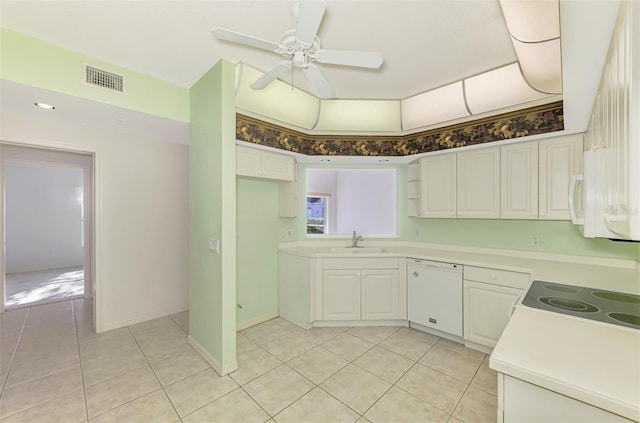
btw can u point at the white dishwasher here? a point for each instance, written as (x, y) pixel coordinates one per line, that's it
(435, 295)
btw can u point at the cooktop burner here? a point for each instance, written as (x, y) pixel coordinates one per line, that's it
(617, 308)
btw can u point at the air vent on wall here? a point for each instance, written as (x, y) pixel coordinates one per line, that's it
(102, 78)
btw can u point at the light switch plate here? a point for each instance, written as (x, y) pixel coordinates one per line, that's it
(214, 245)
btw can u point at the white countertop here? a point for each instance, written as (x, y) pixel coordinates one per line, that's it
(589, 271)
(594, 362)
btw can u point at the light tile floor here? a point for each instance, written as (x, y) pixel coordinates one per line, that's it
(53, 367)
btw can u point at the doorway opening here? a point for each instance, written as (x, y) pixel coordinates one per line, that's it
(47, 226)
(44, 258)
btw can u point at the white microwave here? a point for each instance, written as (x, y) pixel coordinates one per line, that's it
(591, 215)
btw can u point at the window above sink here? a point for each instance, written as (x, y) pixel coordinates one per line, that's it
(342, 200)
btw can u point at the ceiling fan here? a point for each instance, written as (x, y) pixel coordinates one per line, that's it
(301, 48)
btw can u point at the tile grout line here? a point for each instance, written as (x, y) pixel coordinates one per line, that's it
(58, 371)
(317, 385)
(15, 351)
(84, 389)
(393, 384)
(154, 372)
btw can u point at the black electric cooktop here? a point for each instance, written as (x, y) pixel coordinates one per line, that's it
(617, 308)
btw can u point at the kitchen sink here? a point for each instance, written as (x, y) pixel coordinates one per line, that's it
(358, 250)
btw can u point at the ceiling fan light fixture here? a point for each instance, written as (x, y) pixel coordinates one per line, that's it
(301, 48)
(300, 59)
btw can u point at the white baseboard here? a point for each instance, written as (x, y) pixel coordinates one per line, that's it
(139, 319)
(256, 321)
(354, 323)
(211, 359)
(478, 347)
(436, 332)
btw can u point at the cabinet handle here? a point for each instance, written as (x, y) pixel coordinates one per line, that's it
(493, 277)
(453, 213)
(459, 213)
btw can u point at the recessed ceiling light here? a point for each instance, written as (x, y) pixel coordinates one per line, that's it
(45, 106)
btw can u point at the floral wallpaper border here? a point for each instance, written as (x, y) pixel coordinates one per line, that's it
(531, 121)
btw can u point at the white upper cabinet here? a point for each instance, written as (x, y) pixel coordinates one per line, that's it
(478, 183)
(526, 180)
(615, 125)
(264, 164)
(248, 162)
(560, 158)
(438, 186)
(519, 181)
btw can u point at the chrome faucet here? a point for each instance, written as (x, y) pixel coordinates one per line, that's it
(354, 240)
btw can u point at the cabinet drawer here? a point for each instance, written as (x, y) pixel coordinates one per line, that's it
(497, 277)
(361, 263)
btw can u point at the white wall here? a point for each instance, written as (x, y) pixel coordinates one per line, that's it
(324, 181)
(42, 217)
(142, 214)
(363, 201)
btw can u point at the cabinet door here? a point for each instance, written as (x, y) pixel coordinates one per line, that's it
(341, 295)
(248, 161)
(278, 166)
(478, 183)
(560, 158)
(519, 181)
(438, 186)
(486, 311)
(380, 294)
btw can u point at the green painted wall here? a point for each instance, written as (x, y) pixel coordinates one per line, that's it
(556, 236)
(23, 59)
(212, 213)
(257, 249)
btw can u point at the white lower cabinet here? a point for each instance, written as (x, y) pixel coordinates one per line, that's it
(525, 402)
(341, 295)
(367, 294)
(489, 296)
(380, 294)
(362, 289)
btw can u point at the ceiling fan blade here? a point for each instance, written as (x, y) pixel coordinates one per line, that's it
(319, 82)
(309, 15)
(271, 76)
(247, 40)
(362, 59)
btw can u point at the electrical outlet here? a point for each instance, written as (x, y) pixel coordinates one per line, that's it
(535, 240)
(289, 233)
(283, 232)
(415, 233)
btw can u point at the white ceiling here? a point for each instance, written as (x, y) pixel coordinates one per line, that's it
(425, 44)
